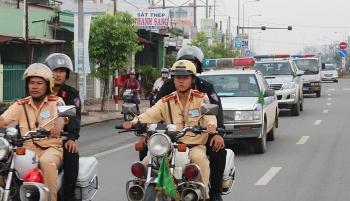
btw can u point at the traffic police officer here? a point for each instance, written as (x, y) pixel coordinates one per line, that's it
(33, 112)
(217, 154)
(184, 110)
(61, 66)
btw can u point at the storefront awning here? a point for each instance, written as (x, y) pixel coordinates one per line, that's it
(144, 41)
(19, 39)
(68, 28)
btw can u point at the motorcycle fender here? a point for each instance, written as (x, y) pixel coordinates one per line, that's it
(23, 163)
(182, 158)
(32, 186)
(228, 178)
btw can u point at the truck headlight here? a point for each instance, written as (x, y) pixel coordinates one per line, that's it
(290, 85)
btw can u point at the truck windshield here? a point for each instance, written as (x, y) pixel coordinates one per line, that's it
(309, 66)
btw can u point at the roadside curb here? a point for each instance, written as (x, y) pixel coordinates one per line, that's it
(103, 121)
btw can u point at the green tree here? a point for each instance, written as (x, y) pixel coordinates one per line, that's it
(169, 60)
(215, 51)
(112, 40)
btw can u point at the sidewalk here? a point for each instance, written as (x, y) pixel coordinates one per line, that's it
(93, 106)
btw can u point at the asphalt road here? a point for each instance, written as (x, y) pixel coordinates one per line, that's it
(307, 161)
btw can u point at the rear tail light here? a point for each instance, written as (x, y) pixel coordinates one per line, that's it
(192, 171)
(34, 175)
(138, 169)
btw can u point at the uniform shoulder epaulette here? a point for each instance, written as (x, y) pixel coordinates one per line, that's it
(52, 98)
(168, 97)
(23, 101)
(197, 93)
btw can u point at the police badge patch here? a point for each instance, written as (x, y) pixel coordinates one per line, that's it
(59, 103)
(206, 101)
(214, 96)
(77, 102)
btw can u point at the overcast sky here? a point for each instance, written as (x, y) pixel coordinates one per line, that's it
(314, 22)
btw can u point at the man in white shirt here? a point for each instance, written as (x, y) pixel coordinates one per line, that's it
(158, 84)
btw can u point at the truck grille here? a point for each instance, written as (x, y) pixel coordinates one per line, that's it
(328, 75)
(276, 86)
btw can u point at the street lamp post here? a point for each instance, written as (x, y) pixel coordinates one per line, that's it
(330, 46)
(249, 30)
(243, 12)
(343, 35)
(239, 6)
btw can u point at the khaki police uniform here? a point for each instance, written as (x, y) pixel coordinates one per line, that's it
(51, 157)
(182, 117)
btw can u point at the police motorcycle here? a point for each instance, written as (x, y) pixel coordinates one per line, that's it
(20, 176)
(164, 139)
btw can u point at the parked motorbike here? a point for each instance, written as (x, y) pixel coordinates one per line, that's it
(165, 139)
(20, 176)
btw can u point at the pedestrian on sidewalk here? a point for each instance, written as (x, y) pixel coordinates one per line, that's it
(61, 66)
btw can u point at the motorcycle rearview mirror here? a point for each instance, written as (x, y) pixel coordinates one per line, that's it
(67, 111)
(11, 133)
(129, 108)
(209, 109)
(63, 111)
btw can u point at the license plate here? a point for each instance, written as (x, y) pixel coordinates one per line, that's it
(305, 88)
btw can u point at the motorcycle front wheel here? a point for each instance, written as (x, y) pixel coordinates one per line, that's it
(152, 194)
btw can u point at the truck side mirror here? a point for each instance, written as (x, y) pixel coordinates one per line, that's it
(323, 66)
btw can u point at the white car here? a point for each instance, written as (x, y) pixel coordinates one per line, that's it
(250, 113)
(284, 77)
(329, 73)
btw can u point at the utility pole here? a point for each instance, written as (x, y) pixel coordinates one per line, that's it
(214, 11)
(238, 18)
(114, 6)
(26, 30)
(206, 9)
(163, 4)
(80, 78)
(195, 13)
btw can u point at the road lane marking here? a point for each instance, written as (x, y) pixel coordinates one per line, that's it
(329, 94)
(346, 89)
(303, 140)
(325, 111)
(317, 122)
(113, 150)
(268, 176)
(329, 103)
(329, 98)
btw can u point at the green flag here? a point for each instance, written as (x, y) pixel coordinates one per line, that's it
(261, 99)
(165, 182)
(294, 75)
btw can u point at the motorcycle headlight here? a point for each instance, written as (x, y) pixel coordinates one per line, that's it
(159, 144)
(290, 85)
(4, 147)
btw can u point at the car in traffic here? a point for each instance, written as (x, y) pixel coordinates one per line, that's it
(283, 76)
(311, 64)
(250, 107)
(329, 73)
